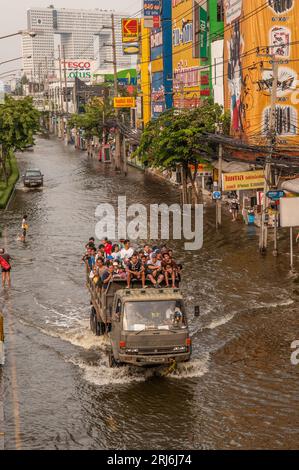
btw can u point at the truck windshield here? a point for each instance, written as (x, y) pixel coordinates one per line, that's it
(32, 173)
(161, 315)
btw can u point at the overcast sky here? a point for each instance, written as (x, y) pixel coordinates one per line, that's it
(13, 18)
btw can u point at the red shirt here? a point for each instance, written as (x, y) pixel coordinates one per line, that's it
(108, 249)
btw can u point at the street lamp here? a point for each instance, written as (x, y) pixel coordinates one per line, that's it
(32, 34)
(17, 58)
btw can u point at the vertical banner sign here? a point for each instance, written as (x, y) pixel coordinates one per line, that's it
(130, 29)
(151, 8)
(255, 33)
(203, 21)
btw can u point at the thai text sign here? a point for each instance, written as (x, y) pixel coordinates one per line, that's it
(130, 29)
(243, 181)
(124, 102)
(151, 8)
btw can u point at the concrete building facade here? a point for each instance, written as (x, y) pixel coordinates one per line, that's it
(83, 33)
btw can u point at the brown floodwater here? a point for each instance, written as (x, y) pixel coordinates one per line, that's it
(240, 390)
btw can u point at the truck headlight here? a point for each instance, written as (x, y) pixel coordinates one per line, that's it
(179, 348)
(132, 351)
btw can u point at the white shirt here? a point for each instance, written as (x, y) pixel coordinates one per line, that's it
(126, 254)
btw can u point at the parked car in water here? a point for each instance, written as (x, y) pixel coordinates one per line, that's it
(33, 178)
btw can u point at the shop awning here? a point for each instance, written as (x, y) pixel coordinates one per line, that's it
(292, 186)
(234, 167)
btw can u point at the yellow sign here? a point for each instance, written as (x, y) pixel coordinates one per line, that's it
(186, 67)
(124, 102)
(130, 29)
(243, 181)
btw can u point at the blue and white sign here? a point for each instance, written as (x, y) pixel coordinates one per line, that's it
(216, 195)
(275, 195)
(151, 8)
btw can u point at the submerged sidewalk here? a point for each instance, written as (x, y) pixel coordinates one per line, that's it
(1, 411)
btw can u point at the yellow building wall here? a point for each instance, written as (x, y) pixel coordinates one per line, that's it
(145, 75)
(251, 28)
(186, 84)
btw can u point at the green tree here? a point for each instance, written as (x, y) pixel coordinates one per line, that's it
(178, 138)
(92, 121)
(19, 122)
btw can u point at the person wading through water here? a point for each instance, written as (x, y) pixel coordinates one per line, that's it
(6, 268)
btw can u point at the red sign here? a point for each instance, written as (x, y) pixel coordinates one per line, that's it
(130, 29)
(156, 22)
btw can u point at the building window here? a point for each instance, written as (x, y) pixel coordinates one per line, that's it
(220, 10)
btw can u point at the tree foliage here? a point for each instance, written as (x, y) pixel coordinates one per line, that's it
(92, 121)
(177, 137)
(19, 122)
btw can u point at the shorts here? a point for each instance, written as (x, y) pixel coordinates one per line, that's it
(6, 270)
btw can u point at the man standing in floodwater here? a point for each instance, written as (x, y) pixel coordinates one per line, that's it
(25, 227)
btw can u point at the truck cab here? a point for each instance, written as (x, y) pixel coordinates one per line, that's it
(145, 327)
(149, 327)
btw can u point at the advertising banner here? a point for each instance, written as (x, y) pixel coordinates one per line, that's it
(256, 35)
(151, 8)
(203, 18)
(243, 181)
(186, 67)
(124, 102)
(130, 29)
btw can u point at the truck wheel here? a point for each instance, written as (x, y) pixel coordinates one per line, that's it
(100, 328)
(112, 361)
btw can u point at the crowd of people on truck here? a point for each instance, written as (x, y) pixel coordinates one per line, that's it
(150, 265)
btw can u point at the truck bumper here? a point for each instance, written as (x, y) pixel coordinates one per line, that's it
(144, 361)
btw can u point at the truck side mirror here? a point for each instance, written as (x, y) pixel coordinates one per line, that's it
(197, 311)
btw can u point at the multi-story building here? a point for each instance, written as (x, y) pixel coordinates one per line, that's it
(83, 34)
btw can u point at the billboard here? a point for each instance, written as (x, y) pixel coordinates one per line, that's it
(151, 8)
(289, 212)
(245, 180)
(186, 68)
(130, 29)
(158, 94)
(255, 35)
(124, 102)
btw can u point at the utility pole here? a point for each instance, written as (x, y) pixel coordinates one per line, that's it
(60, 92)
(65, 81)
(263, 242)
(219, 201)
(117, 155)
(66, 95)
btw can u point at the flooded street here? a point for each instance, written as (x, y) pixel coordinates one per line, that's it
(239, 390)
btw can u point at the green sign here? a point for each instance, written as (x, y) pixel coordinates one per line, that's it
(203, 22)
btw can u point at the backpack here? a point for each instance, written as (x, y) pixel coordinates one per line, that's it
(4, 264)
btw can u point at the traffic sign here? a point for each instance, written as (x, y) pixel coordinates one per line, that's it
(130, 29)
(275, 195)
(217, 195)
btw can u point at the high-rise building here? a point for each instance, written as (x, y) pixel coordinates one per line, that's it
(83, 33)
